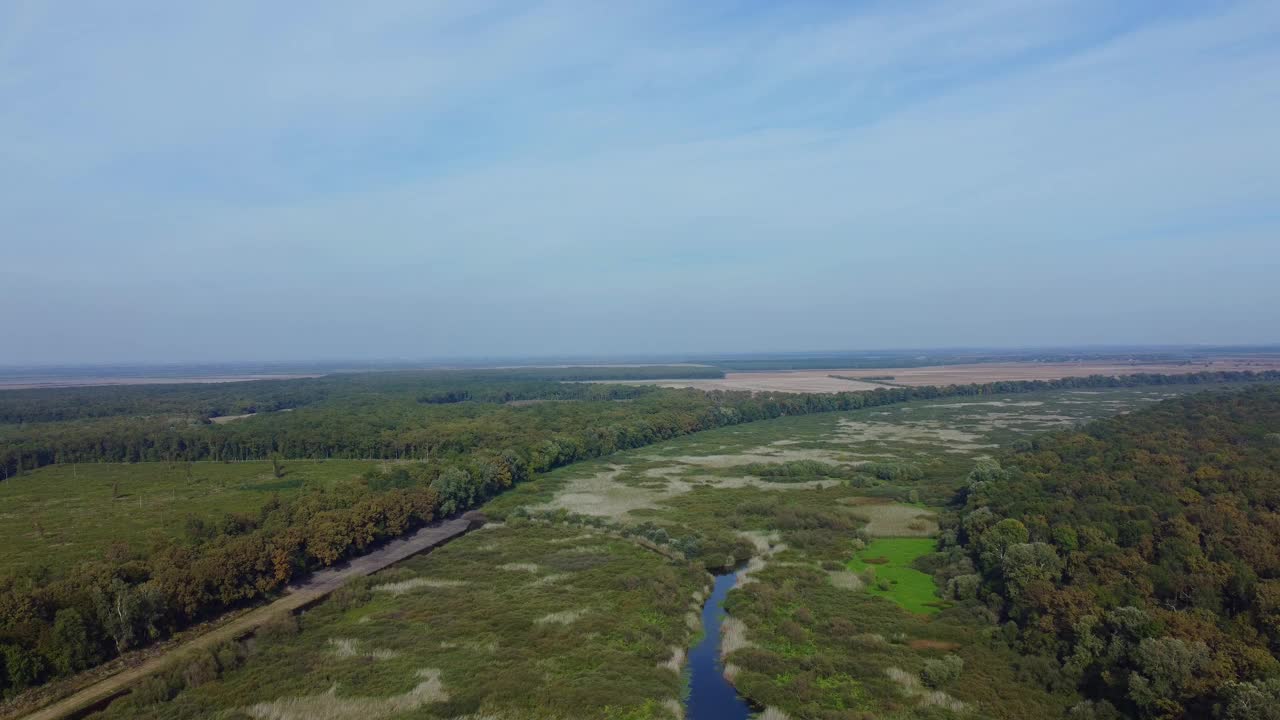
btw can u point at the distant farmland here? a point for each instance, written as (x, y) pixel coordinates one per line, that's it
(852, 379)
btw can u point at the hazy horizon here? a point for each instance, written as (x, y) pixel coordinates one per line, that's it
(945, 355)
(185, 184)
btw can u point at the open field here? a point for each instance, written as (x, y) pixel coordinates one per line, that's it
(56, 516)
(891, 575)
(845, 380)
(797, 381)
(935, 438)
(993, 372)
(517, 622)
(585, 588)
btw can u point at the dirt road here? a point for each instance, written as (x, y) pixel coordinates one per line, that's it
(315, 587)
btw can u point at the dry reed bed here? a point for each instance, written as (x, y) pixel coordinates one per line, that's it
(328, 706)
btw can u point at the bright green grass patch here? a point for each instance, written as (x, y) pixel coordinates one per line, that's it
(892, 558)
(60, 515)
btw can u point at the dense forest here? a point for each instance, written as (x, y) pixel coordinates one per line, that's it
(462, 440)
(1138, 558)
(422, 416)
(238, 398)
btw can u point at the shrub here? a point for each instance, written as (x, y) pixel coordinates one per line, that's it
(279, 626)
(230, 655)
(156, 689)
(964, 587)
(200, 670)
(352, 595)
(940, 672)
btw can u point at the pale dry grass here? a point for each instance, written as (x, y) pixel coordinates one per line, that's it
(764, 454)
(602, 495)
(845, 580)
(575, 538)
(519, 567)
(478, 646)
(328, 706)
(676, 661)
(754, 565)
(926, 432)
(760, 539)
(673, 706)
(794, 381)
(903, 678)
(403, 586)
(937, 698)
(733, 636)
(766, 545)
(871, 640)
(772, 713)
(550, 579)
(991, 403)
(564, 617)
(889, 519)
(351, 648)
(911, 687)
(993, 372)
(731, 672)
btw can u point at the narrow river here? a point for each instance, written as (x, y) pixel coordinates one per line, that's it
(711, 697)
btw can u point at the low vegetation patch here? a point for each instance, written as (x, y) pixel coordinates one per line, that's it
(886, 568)
(504, 646)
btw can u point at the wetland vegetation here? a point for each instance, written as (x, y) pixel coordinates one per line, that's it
(857, 594)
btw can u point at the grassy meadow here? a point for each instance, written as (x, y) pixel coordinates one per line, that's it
(580, 603)
(59, 515)
(525, 621)
(887, 567)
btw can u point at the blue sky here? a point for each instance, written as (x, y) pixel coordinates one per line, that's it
(246, 180)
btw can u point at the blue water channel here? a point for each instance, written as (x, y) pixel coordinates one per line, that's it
(711, 697)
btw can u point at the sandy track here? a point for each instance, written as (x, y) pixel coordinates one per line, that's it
(316, 586)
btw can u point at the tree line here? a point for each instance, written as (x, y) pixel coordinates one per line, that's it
(380, 419)
(1137, 559)
(239, 398)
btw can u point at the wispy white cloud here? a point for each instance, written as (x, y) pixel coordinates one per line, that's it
(453, 178)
